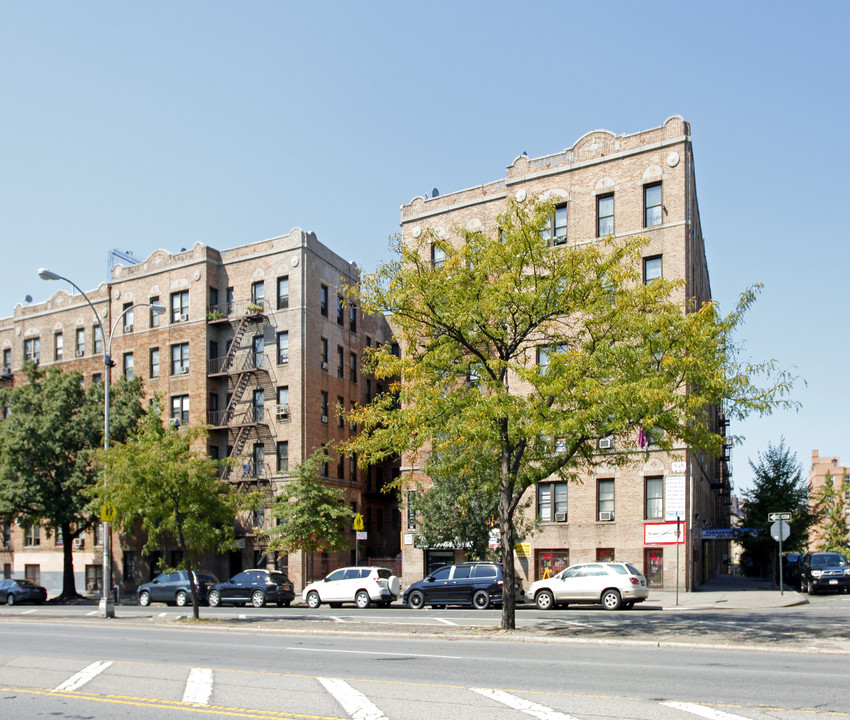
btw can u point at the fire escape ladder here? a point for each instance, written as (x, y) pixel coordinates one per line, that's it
(234, 344)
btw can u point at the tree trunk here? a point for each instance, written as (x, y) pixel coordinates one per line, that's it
(190, 568)
(506, 525)
(69, 584)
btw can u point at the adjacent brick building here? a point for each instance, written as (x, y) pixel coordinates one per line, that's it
(621, 185)
(821, 467)
(256, 342)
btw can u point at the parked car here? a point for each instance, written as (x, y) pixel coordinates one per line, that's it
(478, 584)
(257, 587)
(791, 568)
(824, 571)
(174, 588)
(14, 591)
(613, 585)
(359, 585)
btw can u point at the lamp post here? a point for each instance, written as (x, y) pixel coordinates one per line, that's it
(106, 607)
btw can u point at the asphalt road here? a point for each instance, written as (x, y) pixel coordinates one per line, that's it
(103, 670)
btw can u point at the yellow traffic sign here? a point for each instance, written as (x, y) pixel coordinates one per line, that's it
(107, 512)
(358, 522)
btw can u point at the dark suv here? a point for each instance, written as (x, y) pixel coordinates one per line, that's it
(824, 571)
(174, 588)
(254, 586)
(473, 583)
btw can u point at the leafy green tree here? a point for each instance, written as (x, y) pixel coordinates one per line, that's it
(778, 486)
(313, 515)
(47, 447)
(162, 480)
(533, 353)
(831, 513)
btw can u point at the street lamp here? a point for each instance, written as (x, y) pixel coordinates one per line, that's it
(106, 608)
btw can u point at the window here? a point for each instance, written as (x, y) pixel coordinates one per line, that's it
(228, 293)
(32, 536)
(33, 573)
(259, 456)
(154, 362)
(283, 347)
(154, 315)
(340, 366)
(58, 346)
(180, 409)
(7, 360)
(340, 310)
(653, 567)
(325, 463)
(129, 313)
(324, 353)
(353, 359)
(97, 534)
(340, 409)
(438, 257)
(545, 351)
(654, 497)
(80, 342)
(352, 317)
(127, 365)
(129, 564)
(96, 378)
(258, 345)
(324, 300)
(324, 406)
(340, 466)
(32, 349)
(283, 292)
(652, 205)
(605, 499)
(551, 562)
(259, 405)
(283, 457)
(283, 403)
(651, 269)
(353, 476)
(94, 578)
(604, 554)
(180, 306)
(180, 359)
(552, 502)
(605, 215)
(555, 231)
(258, 293)
(97, 339)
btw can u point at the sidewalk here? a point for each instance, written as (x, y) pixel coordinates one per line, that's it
(729, 592)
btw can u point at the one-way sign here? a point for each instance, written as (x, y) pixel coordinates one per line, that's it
(773, 517)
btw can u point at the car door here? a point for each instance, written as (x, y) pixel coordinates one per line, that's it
(435, 586)
(333, 587)
(568, 585)
(159, 588)
(459, 589)
(596, 579)
(233, 590)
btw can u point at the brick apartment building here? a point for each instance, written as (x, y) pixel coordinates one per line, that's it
(256, 342)
(821, 467)
(621, 185)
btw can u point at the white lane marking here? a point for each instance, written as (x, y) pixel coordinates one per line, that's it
(336, 618)
(369, 652)
(27, 612)
(357, 705)
(162, 614)
(75, 682)
(526, 706)
(92, 613)
(199, 686)
(443, 620)
(243, 617)
(703, 711)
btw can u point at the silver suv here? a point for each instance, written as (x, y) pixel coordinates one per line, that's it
(359, 585)
(613, 585)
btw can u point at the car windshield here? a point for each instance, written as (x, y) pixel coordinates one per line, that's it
(26, 583)
(278, 578)
(829, 559)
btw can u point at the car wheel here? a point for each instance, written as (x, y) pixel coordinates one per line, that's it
(214, 598)
(181, 599)
(258, 598)
(416, 600)
(144, 598)
(362, 599)
(313, 600)
(545, 600)
(611, 600)
(10, 599)
(481, 600)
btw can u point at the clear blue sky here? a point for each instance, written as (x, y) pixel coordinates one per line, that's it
(140, 126)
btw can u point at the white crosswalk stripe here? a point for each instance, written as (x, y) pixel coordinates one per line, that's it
(357, 705)
(199, 686)
(75, 682)
(703, 711)
(526, 706)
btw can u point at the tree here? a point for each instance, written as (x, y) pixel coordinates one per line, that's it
(47, 446)
(831, 513)
(615, 356)
(313, 515)
(778, 486)
(160, 480)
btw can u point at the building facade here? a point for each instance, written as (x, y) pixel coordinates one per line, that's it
(621, 185)
(820, 468)
(259, 343)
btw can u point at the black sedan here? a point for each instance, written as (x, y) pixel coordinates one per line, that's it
(257, 587)
(14, 591)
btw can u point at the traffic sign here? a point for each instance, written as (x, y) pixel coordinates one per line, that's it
(773, 517)
(358, 522)
(362, 535)
(107, 512)
(780, 530)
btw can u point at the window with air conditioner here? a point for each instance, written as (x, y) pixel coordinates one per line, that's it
(606, 443)
(552, 502)
(79, 543)
(605, 499)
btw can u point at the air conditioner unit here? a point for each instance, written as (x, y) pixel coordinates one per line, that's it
(606, 443)
(79, 543)
(128, 328)
(7, 371)
(79, 353)
(324, 366)
(561, 517)
(184, 317)
(184, 369)
(175, 422)
(325, 419)
(283, 412)
(606, 516)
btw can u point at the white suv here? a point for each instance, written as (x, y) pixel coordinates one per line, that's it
(359, 585)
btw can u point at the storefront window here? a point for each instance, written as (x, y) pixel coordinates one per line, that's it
(551, 562)
(653, 567)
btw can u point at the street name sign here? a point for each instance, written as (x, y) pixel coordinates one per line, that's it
(773, 517)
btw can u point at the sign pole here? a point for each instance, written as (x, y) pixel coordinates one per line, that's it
(781, 584)
(678, 535)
